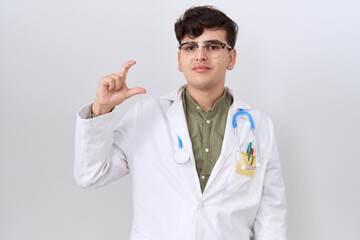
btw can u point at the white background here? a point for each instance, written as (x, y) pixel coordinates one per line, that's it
(298, 61)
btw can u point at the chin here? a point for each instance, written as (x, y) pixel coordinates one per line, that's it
(202, 85)
(204, 81)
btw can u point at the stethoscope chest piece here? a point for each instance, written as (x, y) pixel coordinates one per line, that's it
(181, 156)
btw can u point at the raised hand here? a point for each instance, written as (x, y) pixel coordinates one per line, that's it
(112, 90)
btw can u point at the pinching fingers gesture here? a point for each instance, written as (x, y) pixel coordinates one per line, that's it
(112, 90)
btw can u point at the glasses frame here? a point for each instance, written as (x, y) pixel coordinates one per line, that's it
(223, 45)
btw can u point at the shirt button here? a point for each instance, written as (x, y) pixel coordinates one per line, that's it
(202, 177)
(208, 121)
(206, 150)
(198, 107)
(200, 205)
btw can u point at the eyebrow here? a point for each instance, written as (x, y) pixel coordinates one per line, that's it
(207, 41)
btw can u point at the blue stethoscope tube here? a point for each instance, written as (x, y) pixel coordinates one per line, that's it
(241, 111)
(180, 143)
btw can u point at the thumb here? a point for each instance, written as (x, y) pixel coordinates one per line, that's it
(134, 91)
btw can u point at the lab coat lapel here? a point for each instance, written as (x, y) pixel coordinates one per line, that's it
(229, 141)
(227, 146)
(177, 121)
(229, 136)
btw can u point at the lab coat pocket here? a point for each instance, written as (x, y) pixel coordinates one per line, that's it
(242, 177)
(246, 165)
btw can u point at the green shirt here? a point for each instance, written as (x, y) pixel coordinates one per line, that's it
(206, 130)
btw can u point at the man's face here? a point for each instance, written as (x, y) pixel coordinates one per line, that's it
(205, 73)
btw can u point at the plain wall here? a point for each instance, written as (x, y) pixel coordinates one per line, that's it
(298, 61)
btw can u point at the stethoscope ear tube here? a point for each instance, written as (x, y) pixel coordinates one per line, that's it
(180, 145)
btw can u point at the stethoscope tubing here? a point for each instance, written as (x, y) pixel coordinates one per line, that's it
(241, 111)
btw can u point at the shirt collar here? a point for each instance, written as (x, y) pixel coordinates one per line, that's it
(238, 103)
(190, 105)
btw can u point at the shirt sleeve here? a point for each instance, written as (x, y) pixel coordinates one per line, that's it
(91, 115)
(101, 150)
(270, 221)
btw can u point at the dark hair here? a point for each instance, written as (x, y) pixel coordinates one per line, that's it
(196, 19)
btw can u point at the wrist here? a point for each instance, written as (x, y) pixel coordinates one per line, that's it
(99, 109)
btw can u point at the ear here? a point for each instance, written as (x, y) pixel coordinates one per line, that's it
(179, 62)
(232, 59)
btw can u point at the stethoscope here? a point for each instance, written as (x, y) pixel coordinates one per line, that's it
(181, 156)
(252, 141)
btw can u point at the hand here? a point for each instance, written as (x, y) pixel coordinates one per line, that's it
(112, 91)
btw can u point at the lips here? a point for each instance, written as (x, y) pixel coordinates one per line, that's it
(201, 68)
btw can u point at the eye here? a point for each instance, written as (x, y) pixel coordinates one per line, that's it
(213, 47)
(188, 48)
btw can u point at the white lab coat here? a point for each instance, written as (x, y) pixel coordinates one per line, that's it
(167, 199)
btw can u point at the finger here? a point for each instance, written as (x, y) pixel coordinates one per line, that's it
(118, 82)
(105, 81)
(125, 68)
(110, 82)
(134, 91)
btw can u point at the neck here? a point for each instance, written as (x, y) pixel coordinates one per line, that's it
(205, 98)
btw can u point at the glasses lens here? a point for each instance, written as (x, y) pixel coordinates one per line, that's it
(189, 50)
(213, 50)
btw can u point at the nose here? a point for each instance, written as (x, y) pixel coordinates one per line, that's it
(201, 54)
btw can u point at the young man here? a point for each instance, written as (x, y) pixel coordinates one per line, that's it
(203, 163)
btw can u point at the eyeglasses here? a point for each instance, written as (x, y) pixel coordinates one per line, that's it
(212, 49)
